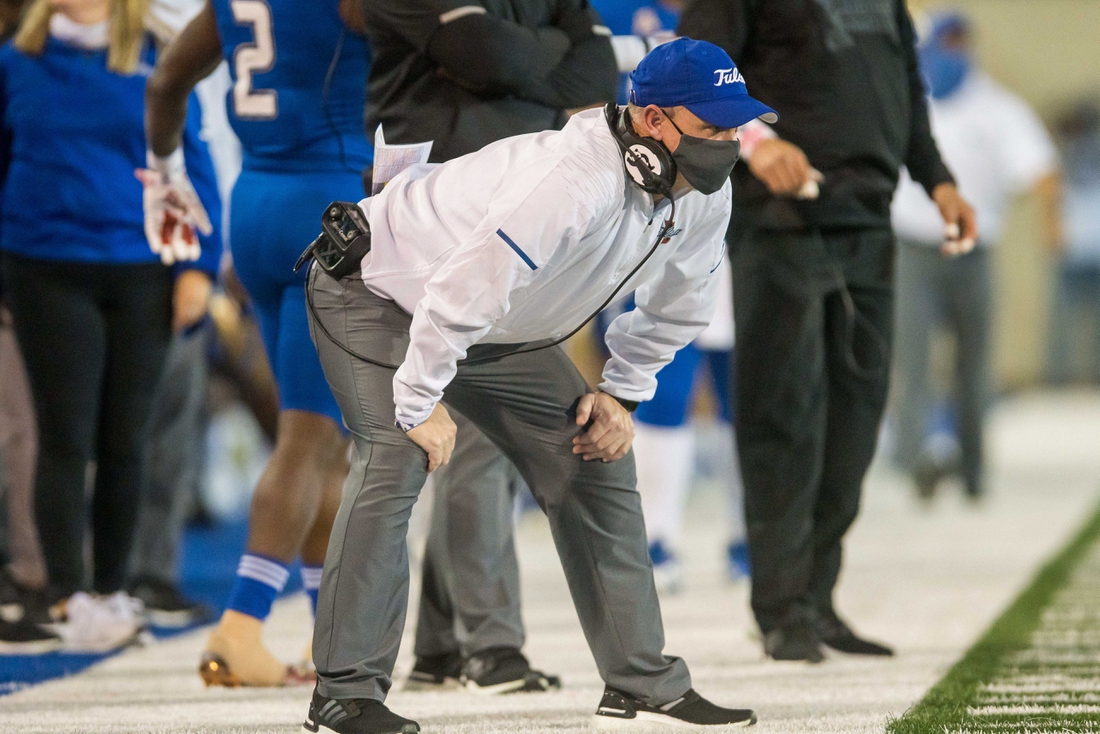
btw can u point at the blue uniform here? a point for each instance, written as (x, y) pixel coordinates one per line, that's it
(299, 81)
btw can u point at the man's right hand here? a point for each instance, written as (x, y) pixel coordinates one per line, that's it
(436, 436)
(783, 168)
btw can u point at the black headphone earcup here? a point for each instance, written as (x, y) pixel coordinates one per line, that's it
(647, 161)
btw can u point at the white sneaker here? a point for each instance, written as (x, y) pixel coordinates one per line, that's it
(100, 623)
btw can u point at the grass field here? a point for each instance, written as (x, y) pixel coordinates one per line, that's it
(1037, 669)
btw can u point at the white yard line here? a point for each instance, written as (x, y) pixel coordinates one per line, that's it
(926, 580)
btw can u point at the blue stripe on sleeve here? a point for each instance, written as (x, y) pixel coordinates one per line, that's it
(521, 253)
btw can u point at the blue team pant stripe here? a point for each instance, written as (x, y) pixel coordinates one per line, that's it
(521, 253)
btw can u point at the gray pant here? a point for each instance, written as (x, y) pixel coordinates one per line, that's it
(174, 457)
(936, 292)
(469, 599)
(525, 404)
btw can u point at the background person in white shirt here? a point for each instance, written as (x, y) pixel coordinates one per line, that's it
(997, 149)
(494, 254)
(1075, 318)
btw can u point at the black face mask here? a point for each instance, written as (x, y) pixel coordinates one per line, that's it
(706, 164)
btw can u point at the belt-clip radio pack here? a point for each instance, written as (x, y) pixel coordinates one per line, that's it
(343, 243)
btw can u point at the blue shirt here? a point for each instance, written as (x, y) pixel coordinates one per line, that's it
(299, 84)
(71, 135)
(635, 18)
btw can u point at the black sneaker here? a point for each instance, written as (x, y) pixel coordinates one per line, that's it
(436, 672)
(19, 602)
(796, 639)
(354, 716)
(691, 711)
(839, 636)
(166, 607)
(504, 670)
(26, 638)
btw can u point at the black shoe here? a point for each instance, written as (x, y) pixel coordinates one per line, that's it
(796, 639)
(354, 716)
(435, 672)
(165, 606)
(839, 636)
(504, 670)
(19, 602)
(26, 638)
(691, 711)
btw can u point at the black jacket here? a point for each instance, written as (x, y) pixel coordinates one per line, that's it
(843, 76)
(442, 70)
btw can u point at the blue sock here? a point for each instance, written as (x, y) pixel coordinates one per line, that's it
(311, 582)
(259, 580)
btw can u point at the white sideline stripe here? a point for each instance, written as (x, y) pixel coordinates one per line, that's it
(1018, 710)
(452, 15)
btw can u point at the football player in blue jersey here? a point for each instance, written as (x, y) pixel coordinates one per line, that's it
(299, 74)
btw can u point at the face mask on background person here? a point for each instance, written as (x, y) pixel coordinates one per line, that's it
(706, 164)
(944, 69)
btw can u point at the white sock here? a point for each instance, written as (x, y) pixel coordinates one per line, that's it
(665, 458)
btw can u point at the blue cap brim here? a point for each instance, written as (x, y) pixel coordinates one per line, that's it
(732, 111)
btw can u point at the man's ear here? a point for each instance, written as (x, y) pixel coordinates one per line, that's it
(650, 122)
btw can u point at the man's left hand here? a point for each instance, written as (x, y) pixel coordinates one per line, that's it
(959, 221)
(190, 298)
(611, 431)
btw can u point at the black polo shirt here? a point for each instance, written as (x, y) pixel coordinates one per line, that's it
(415, 96)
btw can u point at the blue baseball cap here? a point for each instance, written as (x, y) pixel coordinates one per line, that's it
(701, 77)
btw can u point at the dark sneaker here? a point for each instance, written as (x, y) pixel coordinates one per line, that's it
(166, 607)
(26, 638)
(354, 716)
(794, 640)
(504, 670)
(839, 636)
(691, 712)
(18, 602)
(436, 672)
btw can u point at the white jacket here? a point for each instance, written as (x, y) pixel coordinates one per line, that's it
(525, 239)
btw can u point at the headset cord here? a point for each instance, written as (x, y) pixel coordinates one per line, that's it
(352, 353)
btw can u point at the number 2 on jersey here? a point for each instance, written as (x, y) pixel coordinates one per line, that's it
(254, 58)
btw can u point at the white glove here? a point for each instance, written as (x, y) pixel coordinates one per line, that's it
(172, 209)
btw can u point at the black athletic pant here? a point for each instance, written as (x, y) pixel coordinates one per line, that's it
(94, 338)
(814, 322)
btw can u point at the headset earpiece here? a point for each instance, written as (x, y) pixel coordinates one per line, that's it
(647, 161)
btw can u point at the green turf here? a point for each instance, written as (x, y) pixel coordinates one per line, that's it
(1021, 649)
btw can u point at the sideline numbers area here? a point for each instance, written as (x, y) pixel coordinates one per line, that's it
(1037, 669)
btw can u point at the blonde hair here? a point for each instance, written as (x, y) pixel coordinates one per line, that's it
(126, 32)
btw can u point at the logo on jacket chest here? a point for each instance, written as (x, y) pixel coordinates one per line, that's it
(670, 230)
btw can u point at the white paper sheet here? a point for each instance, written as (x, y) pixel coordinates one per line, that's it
(390, 160)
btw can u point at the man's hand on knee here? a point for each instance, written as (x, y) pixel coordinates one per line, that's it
(610, 428)
(436, 436)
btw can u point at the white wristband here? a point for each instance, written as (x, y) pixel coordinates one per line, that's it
(166, 167)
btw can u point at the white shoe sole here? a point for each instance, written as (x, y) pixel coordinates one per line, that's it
(495, 690)
(321, 729)
(414, 685)
(647, 721)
